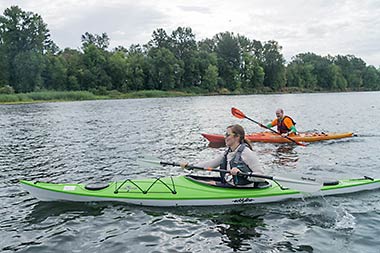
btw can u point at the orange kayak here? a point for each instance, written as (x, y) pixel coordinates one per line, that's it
(275, 138)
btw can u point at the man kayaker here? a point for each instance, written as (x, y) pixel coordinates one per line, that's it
(238, 158)
(285, 124)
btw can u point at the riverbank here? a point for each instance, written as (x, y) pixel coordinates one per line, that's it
(60, 96)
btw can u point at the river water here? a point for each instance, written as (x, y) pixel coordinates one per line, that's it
(90, 141)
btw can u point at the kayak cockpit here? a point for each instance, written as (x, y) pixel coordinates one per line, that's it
(216, 181)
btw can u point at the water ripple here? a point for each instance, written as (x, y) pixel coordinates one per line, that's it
(98, 141)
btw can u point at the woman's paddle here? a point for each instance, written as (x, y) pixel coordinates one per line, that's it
(302, 184)
(240, 115)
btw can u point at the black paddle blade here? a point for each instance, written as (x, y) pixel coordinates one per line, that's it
(237, 113)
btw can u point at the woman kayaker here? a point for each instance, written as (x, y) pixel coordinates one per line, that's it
(238, 157)
(285, 124)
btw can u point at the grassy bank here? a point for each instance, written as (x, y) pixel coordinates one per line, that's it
(56, 96)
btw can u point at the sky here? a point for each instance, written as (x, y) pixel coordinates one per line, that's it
(323, 27)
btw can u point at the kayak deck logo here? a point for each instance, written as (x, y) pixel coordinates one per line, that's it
(243, 200)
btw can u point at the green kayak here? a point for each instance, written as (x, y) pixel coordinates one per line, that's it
(185, 191)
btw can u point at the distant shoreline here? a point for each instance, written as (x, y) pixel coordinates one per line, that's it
(67, 96)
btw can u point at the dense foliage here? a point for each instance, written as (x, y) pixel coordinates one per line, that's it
(30, 61)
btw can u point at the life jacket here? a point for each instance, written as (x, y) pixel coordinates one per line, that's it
(281, 127)
(237, 162)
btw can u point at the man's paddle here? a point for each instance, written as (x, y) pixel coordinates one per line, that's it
(302, 184)
(240, 115)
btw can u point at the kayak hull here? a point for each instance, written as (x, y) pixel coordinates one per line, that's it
(183, 191)
(275, 138)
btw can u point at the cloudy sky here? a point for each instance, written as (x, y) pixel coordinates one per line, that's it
(319, 26)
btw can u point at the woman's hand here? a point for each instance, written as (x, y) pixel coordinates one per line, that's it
(234, 171)
(183, 164)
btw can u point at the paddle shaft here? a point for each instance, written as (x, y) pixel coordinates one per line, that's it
(217, 170)
(303, 184)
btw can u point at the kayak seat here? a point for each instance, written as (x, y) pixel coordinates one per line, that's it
(216, 181)
(330, 182)
(96, 187)
(262, 185)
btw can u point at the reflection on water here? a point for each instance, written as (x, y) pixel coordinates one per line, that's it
(285, 155)
(45, 210)
(278, 156)
(90, 141)
(238, 228)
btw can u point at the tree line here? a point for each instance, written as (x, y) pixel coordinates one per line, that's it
(31, 61)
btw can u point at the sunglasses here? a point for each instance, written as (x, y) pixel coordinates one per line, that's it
(229, 134)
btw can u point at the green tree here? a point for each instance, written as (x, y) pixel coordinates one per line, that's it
(100, 41)
(27, 70)
(371, 78)
(96, 65)
(207, 45)
(6, 89)
(4, 70)
(274, 67)
(336, 78)
(210, 79)
(160, 39)
(229, 59)
(164, 69)
(24, 39)
(353, 69)
(73, 61)
(137, 71)
(300, 73)
(117, 70)
(54, 74)
(323, 73)
(252, 74)
(95, 62)
(183, 42)
(185, 50)
(320, 69)
(207, 64)
(252, 47)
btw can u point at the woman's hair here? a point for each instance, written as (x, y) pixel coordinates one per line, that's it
(239, 130)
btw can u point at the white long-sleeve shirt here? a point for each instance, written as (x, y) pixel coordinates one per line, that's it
(248, 156)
